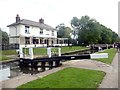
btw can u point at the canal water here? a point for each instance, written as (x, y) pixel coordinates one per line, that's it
(12, 69)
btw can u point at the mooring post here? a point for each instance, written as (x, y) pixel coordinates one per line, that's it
(20, 52)
(59, 51)
(31, 52)
(49, 52)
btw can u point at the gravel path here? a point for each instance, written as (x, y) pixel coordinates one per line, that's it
(109, 81)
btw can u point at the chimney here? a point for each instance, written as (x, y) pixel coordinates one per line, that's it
(41, 21)
(17, 18)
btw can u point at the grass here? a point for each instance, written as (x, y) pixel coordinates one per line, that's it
(73, 48)
(39, 51)
(3, 58)
(111, 54)
(43, 51)
(4, 54)
(9, 52)
(68, 78)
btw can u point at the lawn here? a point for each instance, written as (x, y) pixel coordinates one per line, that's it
(111, 54)
(73, 48)
(9, 52)
(43, 51)
(68, 78)
(40, 51)
(4, 54)
(3, 57)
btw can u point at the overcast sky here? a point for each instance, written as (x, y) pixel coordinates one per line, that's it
(55, 12)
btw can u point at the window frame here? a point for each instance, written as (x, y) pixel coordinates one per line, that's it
(41, 31)
(53, 33)
(27, 30)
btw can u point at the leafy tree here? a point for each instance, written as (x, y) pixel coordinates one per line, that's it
(89, 31)
(115, 37)
(63, 31)
(4, 37)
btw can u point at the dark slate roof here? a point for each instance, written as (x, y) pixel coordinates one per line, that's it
(32, 23)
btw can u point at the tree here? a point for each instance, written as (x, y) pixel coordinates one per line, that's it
(89, 31)
(115, 37)
(87, 28)
(63, 31)
(4, 37)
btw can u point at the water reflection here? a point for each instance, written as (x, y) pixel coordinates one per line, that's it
(13, 69)
(4, 73)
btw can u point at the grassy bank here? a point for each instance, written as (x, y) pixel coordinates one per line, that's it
(111, 54)
(9, 52)
(3, 58)
(5, 53)
(39, 51)
(43, 51)
(68, 78)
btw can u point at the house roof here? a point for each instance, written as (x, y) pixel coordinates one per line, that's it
(32, 23)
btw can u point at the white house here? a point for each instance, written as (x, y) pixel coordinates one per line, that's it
(30, 33)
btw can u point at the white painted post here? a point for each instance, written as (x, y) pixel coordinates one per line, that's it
(49, 52)
(59, 51)
(31, 52)
(20, 52)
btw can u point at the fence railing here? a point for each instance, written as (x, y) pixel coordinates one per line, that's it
(9, 46)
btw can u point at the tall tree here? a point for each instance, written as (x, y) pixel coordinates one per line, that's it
(63, 31)
(4, 37)
(90, 31)
(87, 28)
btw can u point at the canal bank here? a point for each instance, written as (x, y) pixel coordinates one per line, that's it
(14, 69)
(86, 63)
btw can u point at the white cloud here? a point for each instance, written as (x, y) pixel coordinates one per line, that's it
(59, 11)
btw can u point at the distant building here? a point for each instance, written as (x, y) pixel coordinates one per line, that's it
(30, 33)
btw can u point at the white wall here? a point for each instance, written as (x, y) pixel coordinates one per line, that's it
(13, 40)
(22, 40)
(14, 30)
(35, 32)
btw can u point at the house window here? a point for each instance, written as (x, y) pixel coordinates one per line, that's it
(47, 32)
(41, 41)
(27, 40)
(52, 33)
(41, 31)
(27, 30)
(35, 40)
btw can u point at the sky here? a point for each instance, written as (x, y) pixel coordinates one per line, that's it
(55, 12)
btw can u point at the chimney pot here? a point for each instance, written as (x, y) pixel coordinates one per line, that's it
(41, 20)
(17, 18)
